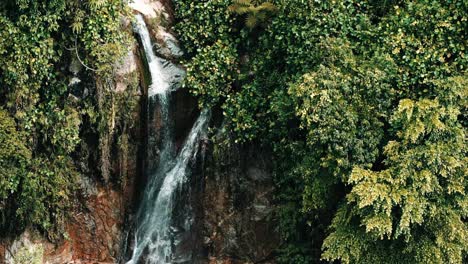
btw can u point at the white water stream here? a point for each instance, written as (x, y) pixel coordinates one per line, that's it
(154, 239)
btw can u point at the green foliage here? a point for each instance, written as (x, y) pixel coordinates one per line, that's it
(362, 102)
(29, 254)
(14, 159)
(409, 203)
(205, 23)
(32, 191)
(26, 65)
(255, 15)
(341, 106)
(417, 204)
(45, 196)
(210, 42)
(211, 72)
(37, 40)
(426, 49)
(96, 25)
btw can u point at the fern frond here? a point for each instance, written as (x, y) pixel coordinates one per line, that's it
(241, 10)
(254, 13)
(77, 27)
(243, 2)
(251, 21)
(232, 8)
(96, 4)
(77, 24)
(262, 16)
(267, 6)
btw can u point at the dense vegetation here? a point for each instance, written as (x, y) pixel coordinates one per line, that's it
(43, 109)
(363, 103)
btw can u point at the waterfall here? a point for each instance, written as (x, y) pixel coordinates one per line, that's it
(159, 83)
(154, 235)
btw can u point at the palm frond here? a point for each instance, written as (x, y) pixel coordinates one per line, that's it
(262, 16)
(242, 2)
(240, 10)
(251, 21)
(267, 6)
(255, 14)
(96, 4)
(77, 27)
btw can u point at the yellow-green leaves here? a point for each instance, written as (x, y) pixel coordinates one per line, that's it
(211, 72)
(338, 108)
(77, 24)
(100, 34)
(14, 157)
(364, 105)
(203, 23)
(255, 15)
(424, 180)
(37, 42)
(417, 118)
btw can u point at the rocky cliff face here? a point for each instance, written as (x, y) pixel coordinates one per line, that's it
(95, 231)
(238, 217)
(231, 187)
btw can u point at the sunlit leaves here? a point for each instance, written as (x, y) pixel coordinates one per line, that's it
(410, 199)
(77, 25)
(255, 15)
(211, 72)
(203, 23)
(37, 40)
(426, 49)
(340, 114)
(364, 104)
(14, 157)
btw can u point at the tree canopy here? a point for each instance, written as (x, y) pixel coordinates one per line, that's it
(363, 104)
(41, 124)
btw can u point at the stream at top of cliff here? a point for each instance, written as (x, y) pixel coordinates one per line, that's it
(155, 237)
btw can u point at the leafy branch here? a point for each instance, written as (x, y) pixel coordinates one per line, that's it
(255, 15)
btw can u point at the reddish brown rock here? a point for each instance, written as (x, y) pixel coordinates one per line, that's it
(239, 221)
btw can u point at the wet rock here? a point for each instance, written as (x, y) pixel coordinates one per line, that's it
(25, 250)
(128, 64)
(168, 45)
(158, 17)
(124, 70)
(74, 81)
(238, 210)
(232, 188)
(75, 65)
(148, 8)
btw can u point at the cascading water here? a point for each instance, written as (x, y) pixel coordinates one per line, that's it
(154, 235)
